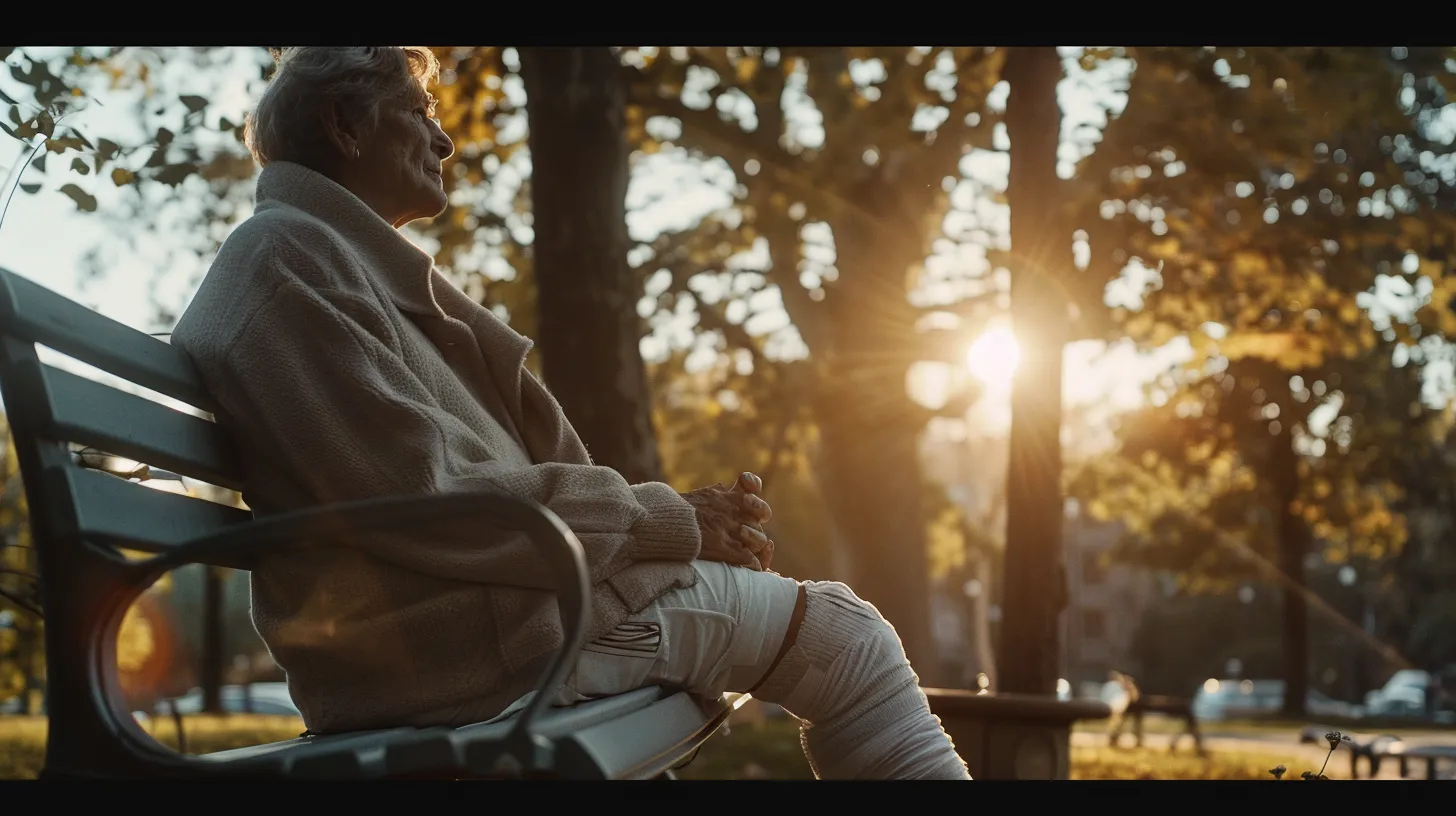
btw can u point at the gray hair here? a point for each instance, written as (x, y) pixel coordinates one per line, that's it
(285, 124)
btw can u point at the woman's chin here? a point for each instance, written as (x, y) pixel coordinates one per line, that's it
(433, 205)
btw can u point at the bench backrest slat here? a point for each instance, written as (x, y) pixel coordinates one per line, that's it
(50, 407)
(111, 509)
(93, 414)
(32, 312)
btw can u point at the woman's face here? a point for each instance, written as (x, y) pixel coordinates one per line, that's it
(397, 171)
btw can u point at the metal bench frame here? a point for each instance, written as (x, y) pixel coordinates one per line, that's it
(82, 520)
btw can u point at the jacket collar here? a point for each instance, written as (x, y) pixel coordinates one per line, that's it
(405, 271)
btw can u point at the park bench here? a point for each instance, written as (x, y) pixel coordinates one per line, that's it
(1387, 746)
(102, 540)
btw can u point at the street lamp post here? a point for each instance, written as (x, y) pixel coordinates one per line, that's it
(1358, 606)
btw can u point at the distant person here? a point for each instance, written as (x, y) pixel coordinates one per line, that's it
(1119, 694)
(351, 369)
(1135, 705)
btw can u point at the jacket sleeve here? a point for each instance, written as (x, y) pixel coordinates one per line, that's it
(307, 382)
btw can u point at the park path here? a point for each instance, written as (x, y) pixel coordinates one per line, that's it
(1279, 744)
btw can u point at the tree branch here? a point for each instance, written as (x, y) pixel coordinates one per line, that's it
(720, 137)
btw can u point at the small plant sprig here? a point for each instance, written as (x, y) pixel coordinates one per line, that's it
(1334, 738)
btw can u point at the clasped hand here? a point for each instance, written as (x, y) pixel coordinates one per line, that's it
(731, 520)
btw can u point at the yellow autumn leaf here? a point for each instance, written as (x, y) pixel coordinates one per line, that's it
(134, 643)
(746, 69)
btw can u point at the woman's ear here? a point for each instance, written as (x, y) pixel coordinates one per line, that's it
(340, 131)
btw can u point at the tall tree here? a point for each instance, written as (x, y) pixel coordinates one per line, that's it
(1035, 581)
(1267, 194)
(865, 142)
(586, 298)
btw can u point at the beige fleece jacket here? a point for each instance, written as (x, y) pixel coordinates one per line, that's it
(324, 335)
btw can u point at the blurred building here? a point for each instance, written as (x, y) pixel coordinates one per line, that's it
(1105, 603)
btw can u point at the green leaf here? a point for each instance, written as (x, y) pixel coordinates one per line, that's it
(121, 176)
(193, 103)
(31, 188)
(174, 174)
(85, 202)
(39, 162)
(64, 143)
(81, 137)
(80, 166)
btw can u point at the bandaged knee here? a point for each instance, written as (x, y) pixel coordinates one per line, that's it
(847, 678)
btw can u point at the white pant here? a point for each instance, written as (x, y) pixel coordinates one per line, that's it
(719, 635)
(846, 676)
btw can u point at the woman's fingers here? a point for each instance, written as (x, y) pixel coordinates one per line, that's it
(753, 538)
(749, 483)
(757, 508)
(731, 551)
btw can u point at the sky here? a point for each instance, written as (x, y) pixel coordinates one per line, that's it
(44, 238)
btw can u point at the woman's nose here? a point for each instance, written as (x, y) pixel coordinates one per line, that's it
(441, 144)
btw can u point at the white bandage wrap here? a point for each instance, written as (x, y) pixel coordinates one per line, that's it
(848, 679)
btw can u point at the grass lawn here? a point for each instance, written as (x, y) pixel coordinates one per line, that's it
(22, 739)
(1160, 724)
(1147, 763)
(766, 751)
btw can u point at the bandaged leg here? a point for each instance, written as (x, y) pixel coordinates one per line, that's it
(846, 676)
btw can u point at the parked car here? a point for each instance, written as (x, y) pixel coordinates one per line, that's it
(1403, 695)
(1235, 699)
(256, 698)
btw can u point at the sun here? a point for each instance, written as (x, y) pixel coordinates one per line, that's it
(993, 357)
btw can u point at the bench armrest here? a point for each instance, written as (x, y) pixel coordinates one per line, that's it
(304, 529)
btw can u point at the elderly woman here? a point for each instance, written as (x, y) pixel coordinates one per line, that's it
(352, 369)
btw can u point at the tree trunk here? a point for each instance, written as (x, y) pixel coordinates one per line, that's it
(586, 294)
(29, 646)
(213, 640)
(869, 462)
(871, 479)
(1035, 577)
(1294, 543)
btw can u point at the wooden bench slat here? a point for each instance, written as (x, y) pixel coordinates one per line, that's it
(648, 741)
(123, 424)
(143, 518)
(638, 734)
(35, 313)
